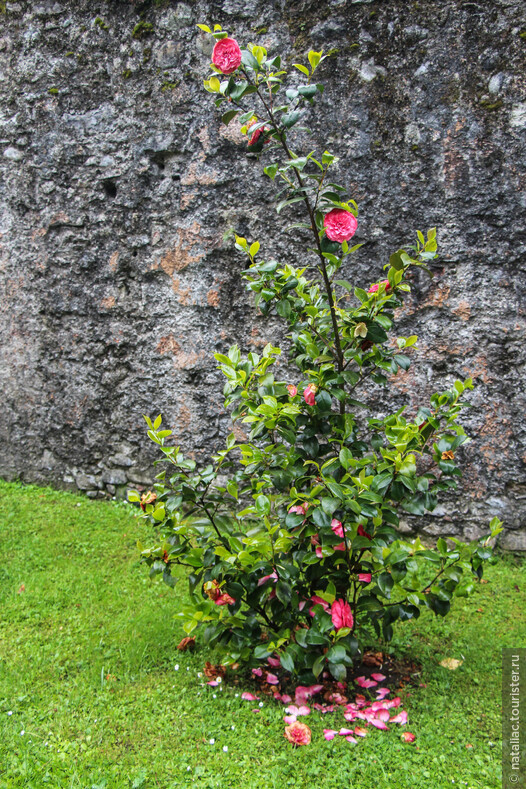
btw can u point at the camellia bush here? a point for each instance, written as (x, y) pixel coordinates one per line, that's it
(290, 537)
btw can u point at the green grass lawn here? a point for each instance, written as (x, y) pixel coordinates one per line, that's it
(94, 694)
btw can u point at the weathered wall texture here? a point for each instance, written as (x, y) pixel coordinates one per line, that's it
(118, 182)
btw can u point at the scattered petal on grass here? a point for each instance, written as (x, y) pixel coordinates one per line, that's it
(246, 696)
(408, 737)
(213, 682)
(381, 693)
(292, 709)
(378, 677)
(329, 734)
(400, 718)
(298, 733)
(289, 719)
(345, 732)
(451, 663)
(304, 692)
(257, 672)
(360, 732)
(382, 715)
(378, 724)
(274, 662)
(272, 679)
(351, 739)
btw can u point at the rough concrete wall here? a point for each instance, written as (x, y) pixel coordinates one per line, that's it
(118, 182)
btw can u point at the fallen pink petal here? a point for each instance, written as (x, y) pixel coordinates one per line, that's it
(382, 715)
(246, 696)
(378, 677)
(408, 737)
(351, 739)
(378, 724)
(257, 672)
(272, 679)
(294, 710)
(360, 732)
(400, 718)
(329, 734)
(289, 719)
(381, 693)
(274, 662)
(345, 732)
(363, 682)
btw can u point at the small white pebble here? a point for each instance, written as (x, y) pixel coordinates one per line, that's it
(10, 712)
(260, 703)
(212, 741)
(176, 667)
(225, 748)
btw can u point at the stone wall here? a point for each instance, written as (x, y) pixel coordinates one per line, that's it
(118, 182)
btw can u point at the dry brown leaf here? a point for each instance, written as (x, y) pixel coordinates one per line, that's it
(451, 663)
(186, 643)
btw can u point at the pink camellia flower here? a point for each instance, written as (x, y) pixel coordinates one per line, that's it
(299, 509)
(273, 576)
(318, 600)
(339, 547)
(319, 552)
(224, 599)
(337, 527)
(226, 55)
(362, 533)
(292, 390)
(309, 394)
(341, 614)
(374, 288)
(408, 737)
(255, 137)
(298, 733)
(340, 225)
(365, 577)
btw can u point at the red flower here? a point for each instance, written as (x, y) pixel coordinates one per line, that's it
(298, 733)
(340, 225)
(292, 390)
(341, 614)
(224, 599)
(362, 533)
(255, 137)
(309, 394)
(374, 288)
(365, 577)
(226, 55)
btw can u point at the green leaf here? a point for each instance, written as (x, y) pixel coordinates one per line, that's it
(319, 663)
(271, 170)
(338, 671)
(227, 117)
(290, 118)
(287, 662)
(320, 518)
(301, 68)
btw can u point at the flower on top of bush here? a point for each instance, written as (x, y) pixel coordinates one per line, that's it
(226, 55)
(340, 225)
(292, 390)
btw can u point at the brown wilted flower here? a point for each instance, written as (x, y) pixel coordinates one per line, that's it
(449, 455)
(213, 672)
(148, 498)
(186, 643)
